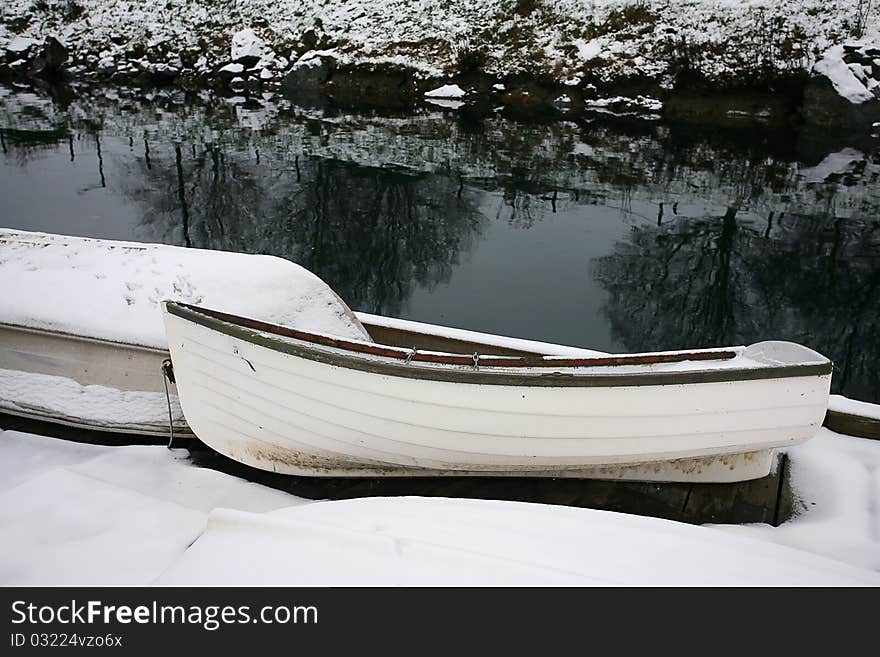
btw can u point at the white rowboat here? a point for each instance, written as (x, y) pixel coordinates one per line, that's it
(305, 403)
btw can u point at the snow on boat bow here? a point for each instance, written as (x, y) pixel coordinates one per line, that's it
(306, 403)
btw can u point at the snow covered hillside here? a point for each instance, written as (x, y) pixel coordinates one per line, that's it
(249, 43)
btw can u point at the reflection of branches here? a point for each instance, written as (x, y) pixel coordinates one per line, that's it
(181, 195)
(711, 282)
(27, 144)
(371, 234)
(672, 286)
(520, 204)
(188, 201)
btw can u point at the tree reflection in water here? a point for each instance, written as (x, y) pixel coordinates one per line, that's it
(716, 281)
(370, 233)
(732, 237)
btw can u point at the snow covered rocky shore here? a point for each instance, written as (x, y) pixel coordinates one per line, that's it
(526, 55)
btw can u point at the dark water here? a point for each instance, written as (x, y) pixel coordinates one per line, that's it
(610, 235)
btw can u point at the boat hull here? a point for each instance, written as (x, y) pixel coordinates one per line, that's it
(86, 383)
(290, 413)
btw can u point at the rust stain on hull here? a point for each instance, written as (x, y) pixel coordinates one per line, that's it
(301, 463)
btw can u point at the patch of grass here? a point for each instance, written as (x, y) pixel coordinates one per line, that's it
(525, 7)
(468, 57)
(73, 10)
(18, 25)
(635, 15)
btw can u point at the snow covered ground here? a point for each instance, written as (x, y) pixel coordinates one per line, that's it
(566, 40)
(84, 514)
(555, 156)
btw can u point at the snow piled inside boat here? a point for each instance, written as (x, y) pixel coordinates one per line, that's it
(843, 404)
(112, 290)
(73, 514)
(69, 402)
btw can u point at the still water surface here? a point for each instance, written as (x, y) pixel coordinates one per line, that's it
(618, 236)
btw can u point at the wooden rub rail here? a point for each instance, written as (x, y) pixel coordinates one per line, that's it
(409, 355)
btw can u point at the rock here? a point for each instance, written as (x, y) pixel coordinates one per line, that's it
(51, 58)
(368, 87)
(121, 76)
(230, 71)
(247, 47)
(838, 71)
(842, 91)
(19, 47)
(728, 108)
(166, 72)
(307, 75)
(528, 100)
(824, 107)
(446, 91)
(309, 40)
(107, 65)
(136, 51)
(641, 105)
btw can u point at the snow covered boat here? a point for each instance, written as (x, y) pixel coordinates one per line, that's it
(82, 340)
(312, 403)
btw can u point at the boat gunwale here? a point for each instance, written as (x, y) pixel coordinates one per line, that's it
(405, 363)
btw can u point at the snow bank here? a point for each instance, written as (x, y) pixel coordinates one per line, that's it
(112, 290)
(84, 514)
(446, 542)
(837, 482)
(73, 514)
